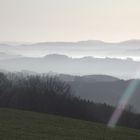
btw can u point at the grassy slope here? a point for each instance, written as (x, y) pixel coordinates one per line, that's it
(24, 125)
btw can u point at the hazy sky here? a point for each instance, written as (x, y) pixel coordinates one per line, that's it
(69, 20)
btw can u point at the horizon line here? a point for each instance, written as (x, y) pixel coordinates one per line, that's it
(78, 41)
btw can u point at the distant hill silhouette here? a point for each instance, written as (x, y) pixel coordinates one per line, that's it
(73, 66)
(81, 48)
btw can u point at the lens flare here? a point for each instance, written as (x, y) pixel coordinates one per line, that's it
(123, 103)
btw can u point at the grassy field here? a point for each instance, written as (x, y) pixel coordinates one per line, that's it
(24, 125)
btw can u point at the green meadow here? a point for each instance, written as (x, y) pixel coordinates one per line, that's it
(25, 125)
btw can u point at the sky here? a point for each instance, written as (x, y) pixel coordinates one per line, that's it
(69, 20)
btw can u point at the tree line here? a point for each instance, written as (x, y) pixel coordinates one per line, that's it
(48, 94)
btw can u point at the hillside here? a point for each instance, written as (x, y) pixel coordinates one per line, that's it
(108, 92)
(24, 125)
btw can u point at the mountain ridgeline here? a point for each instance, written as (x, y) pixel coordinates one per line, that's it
(82, 48)
(126, 69)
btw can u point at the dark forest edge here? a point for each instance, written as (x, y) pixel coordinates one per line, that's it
(49, 94)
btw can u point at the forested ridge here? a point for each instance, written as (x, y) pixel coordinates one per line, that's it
(48, 94)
